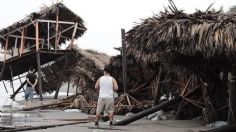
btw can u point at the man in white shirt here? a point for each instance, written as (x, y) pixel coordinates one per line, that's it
(106, 84)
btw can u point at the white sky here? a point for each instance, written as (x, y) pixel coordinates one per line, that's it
(104, 18)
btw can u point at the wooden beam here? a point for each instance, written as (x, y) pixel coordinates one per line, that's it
(15, 47)
(18, 29)
(6, 46)
(73, 35)
(59, 22)
(4, 86)
(38, 61)
(63, 31)
(148, 111)
(39, 76)
(22, 42)
(29, 38)
(37, 35)
(12, 86)
(48, 36)
(124, 61)
(18, 89)
(57, 19)
(68, 89)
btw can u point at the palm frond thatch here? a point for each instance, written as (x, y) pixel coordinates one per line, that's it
(210, 33)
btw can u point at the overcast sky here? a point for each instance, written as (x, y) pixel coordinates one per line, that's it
(104, 18)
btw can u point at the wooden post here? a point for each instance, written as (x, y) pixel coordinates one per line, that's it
(57, 18)
(22, 42)
(38, 61)
(15, 47)
(18, 89)
(37, 35)
(6, 46)
(73, 35)
(157, 94)
(5, 86)
(68, 88)
(48, 37)
(124, 61)
(232, 97)
(21, 82)
(11, 84)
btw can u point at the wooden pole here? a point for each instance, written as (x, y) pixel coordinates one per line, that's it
(68, 89)
(148, 111)
(15, 47)
(48, 36)
(157, 91)
(232, 97)
(124, 61)
(18, 89)
(22, 42)
(37, 35)
(6, 46)
(11, 84)
(56, 38)
(21, 82)
(38, 61)
(73, 35)
(12, 79)
(5, 86)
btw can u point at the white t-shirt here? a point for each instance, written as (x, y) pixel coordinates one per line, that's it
(106, 87)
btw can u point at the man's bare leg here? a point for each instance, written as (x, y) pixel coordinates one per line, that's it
(111, 116)
(97, 119)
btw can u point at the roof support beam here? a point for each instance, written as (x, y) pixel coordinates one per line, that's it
(63, 31)
(59, 22)
(29, 38)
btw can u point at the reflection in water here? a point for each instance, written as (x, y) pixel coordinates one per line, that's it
(16, 118)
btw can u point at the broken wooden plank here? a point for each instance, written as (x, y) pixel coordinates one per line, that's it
(148, 111)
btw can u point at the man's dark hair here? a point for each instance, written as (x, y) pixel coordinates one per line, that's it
(31, 69)
(107, 69)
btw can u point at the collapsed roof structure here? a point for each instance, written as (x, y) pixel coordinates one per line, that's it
(196, 52)
(36, 40)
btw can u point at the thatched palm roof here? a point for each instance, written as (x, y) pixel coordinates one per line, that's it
(47, 13)
(207, 33)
